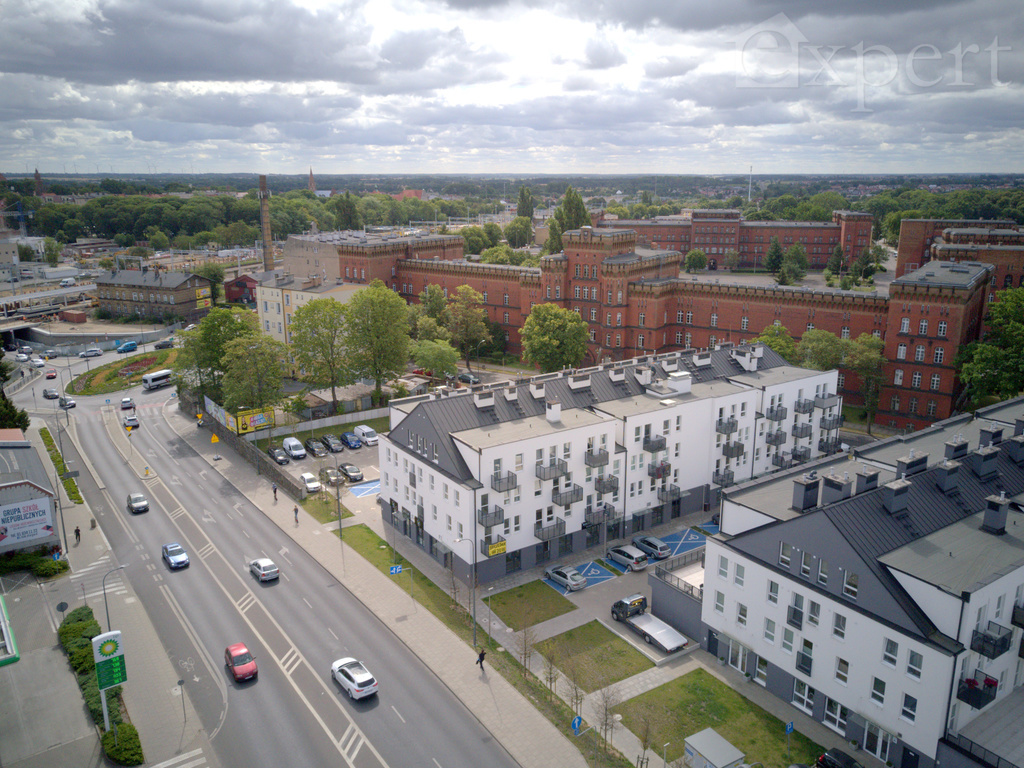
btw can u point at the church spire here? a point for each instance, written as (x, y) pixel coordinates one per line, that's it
(312, 184)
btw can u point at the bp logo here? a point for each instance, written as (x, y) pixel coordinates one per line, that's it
(108, 647)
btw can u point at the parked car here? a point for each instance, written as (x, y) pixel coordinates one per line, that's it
(52, 353)
(468, 378)
(350, 440)
(67, 402)
(629, 606)
(137, 503)
(127, 404)
(652, 546)
(309, 480)
(241, 663)
(367, 434)
(51, 394)
(351, 472)
(164, 344)
(331, 476)
(836, 758)
(628, 556)
(315, 447)
(174, 555)
(91, 352)
(130, 421)
(354, 677)
(277, 454)
(566, 576)
(189, 327)
(263, 568)
(333, 443)
(293, 448)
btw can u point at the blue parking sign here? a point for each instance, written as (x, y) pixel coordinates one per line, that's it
(395, 570)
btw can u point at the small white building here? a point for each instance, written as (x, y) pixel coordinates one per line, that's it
(708, 749)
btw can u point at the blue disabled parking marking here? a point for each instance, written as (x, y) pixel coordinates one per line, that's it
(363, 490)
(684, 541)
(592, 572)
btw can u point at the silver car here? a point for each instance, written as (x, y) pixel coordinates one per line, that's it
(263, 568)
(566, 576)
(652, 546)
(631, 558)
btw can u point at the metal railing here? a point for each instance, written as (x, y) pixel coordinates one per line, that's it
(803, 405)
(804, 429)
(595, 457)
(600, 513)
(551, 531)
(777, 413)
(504, 481)
(993, 641)
(606, 484)
(669, 493)
(491, 515)
(726, 426)
(828, 444)
(831, 422)
(658, 469)
(978, 691)
(485, 545)
(778, 437)
(783, 460)
(654, 443)
(723, 477)
(801, 453)
(977, 752)
(554, 468)
(568, 496)
(733, 449)
(664, 570)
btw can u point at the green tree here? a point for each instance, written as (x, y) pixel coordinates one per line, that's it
(438, 357)
(434, 303)
(778, 338)
(500, 254)
(696, 261)
(51, 251)
(519, 232)
(821, 350)
(346, 213)
(554, 338)
(866, 359)
(835, 261)
(554, 241)
(200, 360)
(466, 321)
(493, 233)
(524, 208)
(253, 372)
(572, 213)
(159, 241)
(476, 239)
(376, 335)
(994, 366)
(731, 259)
(773, 259)
(25, 253)
(11, 417)
(215, 274)
(317, 336)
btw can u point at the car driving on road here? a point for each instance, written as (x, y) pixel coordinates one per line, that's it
(174, 555)
(130, 421)
(66, 402)
(263, 568)
(51, 394)
(127, 403)
(241, 663)
(137, 503)
(91, 352)
(354, 677)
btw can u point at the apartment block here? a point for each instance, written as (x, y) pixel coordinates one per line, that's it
(154, 293)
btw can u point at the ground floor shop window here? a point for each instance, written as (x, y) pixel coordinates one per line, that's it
(803, 696)
(565, 545)
(543, 552)
(513, 562)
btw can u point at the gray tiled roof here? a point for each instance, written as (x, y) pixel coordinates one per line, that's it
(133, 278)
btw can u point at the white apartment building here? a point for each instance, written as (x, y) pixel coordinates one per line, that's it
(505, 477)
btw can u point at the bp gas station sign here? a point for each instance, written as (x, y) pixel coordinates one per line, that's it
(108, 653)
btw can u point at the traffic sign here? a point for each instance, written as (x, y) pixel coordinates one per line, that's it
(214, 439)
(789, 727)
(395, 570)
(108, 653)
(576, 723)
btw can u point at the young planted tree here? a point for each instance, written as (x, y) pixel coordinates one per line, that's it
(554, 338)
(835, 261)
(696, 261)
(376, 337)
(318, 335)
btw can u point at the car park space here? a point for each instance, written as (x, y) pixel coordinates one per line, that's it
(593, 573)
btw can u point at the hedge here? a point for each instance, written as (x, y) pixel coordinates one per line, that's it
(39, 561)
(58, 461)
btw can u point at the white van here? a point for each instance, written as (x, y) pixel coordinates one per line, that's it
(67, 282)
(293, 448)
(366, 434)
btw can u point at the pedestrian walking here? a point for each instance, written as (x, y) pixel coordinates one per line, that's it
(274, 487)
(78, 535)
(296, 514)
(480, 659)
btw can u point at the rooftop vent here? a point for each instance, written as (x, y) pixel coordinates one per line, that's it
(984, 462)
(701, 359)
(835, 488)
(745, 357)
(554, 411)
(643, 374)
(805, 491)
(484, 399)
(911, 464)
(956, 448)
(579, 382)
(670, 364)
(681, 382)
(995, 514)
(947, 477)
(991, 435)
(616, 374)
(1015, 449)
(511, 393)
(867, 479)
(537, 390)
(895, 496)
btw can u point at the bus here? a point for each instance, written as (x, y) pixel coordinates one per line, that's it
(158, 379)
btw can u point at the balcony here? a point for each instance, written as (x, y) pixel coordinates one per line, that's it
(723, 477)
(803, 430)
(803, 405)
(554, 468)
(596, 457)
(828, 444)
(803, 662)
(831, 422)
(669, 493)
(795, 617)
(494, 545)
(412, 479)
(977, 691)
(993, 642)
(606, 484)
(726, 426)
(778, 413)
(503, 482)
(826, 401)
(658, 469)
(1017, 617)
(551, 531)
(420, 513)
(802, 453)
(600, 513)
(778, 437)
(568, 496)
(733, 449)
(654, 443)
(784, 460)
(490, 516)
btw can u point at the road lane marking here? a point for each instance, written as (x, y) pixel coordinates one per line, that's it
(398, 713)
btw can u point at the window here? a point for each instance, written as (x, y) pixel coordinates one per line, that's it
(642, 318)
(744, 323)
(688, 340)
(936, 381)
(769, 631)
(905, 325)
(901, 352)
(785, 554)
(803, 696)
(939, 355)
(823, 572)
(787, 640)
(689, 318)
(844, 332)
(842, 670)
(814, 614)
(909, 708)
(915, 380)
(741, 614)
(922, 328)
(919, 353)
(773, 592)
(889, 651)
(714, 319)
(739, 575)
(850, 582)
(719, 602)
(942, 329)
(806, 561)
(878, 691)
(839, 626)
(914, 663)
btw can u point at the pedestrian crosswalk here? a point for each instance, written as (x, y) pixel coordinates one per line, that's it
(187, 760)
(88, 581)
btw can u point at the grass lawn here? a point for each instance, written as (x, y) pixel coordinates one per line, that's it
(697, 701)
(381, 424)
(121, 374)
(598, 656)
(528, 604)
(324, 506)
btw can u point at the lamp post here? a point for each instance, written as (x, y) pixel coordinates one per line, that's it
(337, 496)
(472, 585)
(664, 752)
(104, 585)
(476, 353)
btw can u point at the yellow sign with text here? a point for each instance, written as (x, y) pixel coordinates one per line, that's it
(201, 303)
(203, 293)
(496, 549)
(250, 421)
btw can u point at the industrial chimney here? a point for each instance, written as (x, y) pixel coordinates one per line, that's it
(268, 243)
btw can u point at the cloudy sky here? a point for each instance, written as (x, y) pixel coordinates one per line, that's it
(518, 86)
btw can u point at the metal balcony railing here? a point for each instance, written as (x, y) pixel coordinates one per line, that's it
(554, 468)
(723, 477)
(658, 469)
(1017, 617)
(733, 449)
(828, 444)
(783, 459)
(803, 405)
(412, 479)
(778, 413)
(490, 515)
(503, 482)
(803, 430)
(826, 401)
(600, 513)
(778, 437)
(977, 691)
(493, 546)
(801, 453)
(831, 422)
(993, 641)
(726, 426)
(568, 496)
(551, 531)
(803, 662)
(795, 617)
(606, 484)
(595, 457)
(669, 493)
(654, 443)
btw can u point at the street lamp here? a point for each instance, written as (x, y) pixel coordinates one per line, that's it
(472, 585)
(664, 752)
(476, 354)
(337, 496)
(104, 584)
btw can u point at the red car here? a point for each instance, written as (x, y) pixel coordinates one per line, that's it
(241, 663)
(51, 374)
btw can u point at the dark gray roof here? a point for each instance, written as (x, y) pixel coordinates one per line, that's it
(431, 421)
(133, 278)
(961, 274)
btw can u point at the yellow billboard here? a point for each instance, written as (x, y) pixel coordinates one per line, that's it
(250, 421)
(204, 303)
(203, 293)
(496, 549)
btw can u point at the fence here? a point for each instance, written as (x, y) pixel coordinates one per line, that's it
(664, 570)
(329, 421)
(977, 752)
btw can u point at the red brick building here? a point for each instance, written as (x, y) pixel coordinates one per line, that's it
(918, 236)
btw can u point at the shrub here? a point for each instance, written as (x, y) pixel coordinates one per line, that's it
(91, 694)
(81, 660)
(81, 613)
(49, 567)
(85, 629)
(128, 750)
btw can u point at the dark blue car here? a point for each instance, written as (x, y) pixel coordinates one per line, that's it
(350, 440)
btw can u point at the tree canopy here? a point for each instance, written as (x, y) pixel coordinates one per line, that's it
(994, 366)
(376, 334)
(519, 232)
(554, 338)
(215, 274)
(696, 261)
(773, 259)
(317, 340)
(778, 338)
(438, 357)
(200, 361)
(866, 359)
(253, 372)
(466, 321)
(524, 208)
(821, 350)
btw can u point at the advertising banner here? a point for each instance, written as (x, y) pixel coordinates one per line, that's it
(204, 303)
(26, 521)
(203, 293)
(255, 419)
